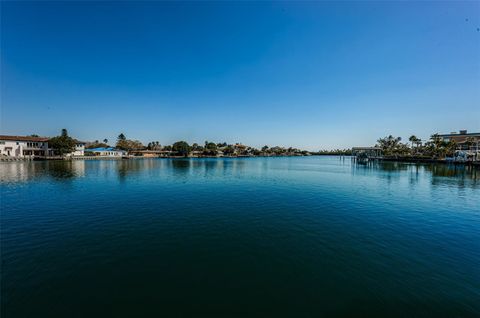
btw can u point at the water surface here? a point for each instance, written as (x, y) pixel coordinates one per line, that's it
(298, 237)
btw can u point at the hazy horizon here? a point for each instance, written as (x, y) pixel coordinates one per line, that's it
(313, 75)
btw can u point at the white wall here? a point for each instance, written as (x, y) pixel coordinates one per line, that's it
(112, 153)
(79, 150)
(16, 148)
(12, 148)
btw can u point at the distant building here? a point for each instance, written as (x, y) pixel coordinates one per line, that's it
(150, 153)
(462, 138)
(107, 152)
(79, 148)
(29, 147)
(367, 152)
(23, 146)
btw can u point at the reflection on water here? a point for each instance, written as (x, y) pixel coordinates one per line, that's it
(460, 175)
(438, 174)
(320, 236)
(28, 170)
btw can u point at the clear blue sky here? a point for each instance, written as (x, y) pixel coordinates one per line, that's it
(307, 74)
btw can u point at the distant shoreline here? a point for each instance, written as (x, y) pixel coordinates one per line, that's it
(399, 159)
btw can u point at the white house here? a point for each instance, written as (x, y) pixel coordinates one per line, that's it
(107, 152)
(79, 148)
(23, 146)
(26, 146)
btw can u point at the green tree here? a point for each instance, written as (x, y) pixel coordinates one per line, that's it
(436, 147)
(122, 142)
(469, 142)
(105, 141)
(154, 145)
(129, 145)
(413, 139)
(211, 146)
(451, 146)
(182, 148)
(62, 144)
(210, 149)
(388, 144)
(229, 150)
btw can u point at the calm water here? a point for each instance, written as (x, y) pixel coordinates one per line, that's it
(265, 237)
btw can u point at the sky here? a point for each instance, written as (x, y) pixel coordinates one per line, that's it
(314, 75)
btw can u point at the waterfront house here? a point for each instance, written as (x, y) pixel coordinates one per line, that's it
(462, 139)
(30, 147)
(23, 146)
(79, 148)
(196, 153)
(150, 153)
(107, 152)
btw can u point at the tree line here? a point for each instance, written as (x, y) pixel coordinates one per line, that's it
(209, 148)
(435, 147)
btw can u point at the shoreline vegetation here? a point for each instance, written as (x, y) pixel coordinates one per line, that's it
(182, 149)
(389, 148)
(436, 148)
(432, 150)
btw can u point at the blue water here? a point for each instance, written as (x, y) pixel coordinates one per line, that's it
(253, 237)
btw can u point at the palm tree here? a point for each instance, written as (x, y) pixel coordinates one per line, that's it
(451, 146)
(469, 142)
(105, 140)
(437, 145)
(413, 139)
(391, 145)
(436, 139)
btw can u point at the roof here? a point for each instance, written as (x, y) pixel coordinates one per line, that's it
(460, 135)
(24, 138)
(102, 149)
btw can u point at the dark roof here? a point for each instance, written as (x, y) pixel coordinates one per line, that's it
(458, 134)
(24, 138)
